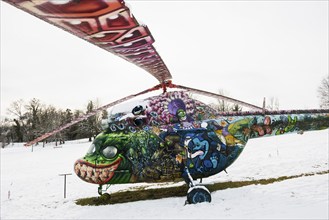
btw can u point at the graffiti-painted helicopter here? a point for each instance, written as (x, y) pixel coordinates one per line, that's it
(166, 137)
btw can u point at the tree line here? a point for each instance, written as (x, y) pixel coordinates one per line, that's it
(32, 119)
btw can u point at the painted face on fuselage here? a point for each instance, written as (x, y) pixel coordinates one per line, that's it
(181, 114)
(105, 161)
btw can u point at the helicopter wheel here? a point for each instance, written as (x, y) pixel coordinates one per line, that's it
(105, 196)
(198, 194)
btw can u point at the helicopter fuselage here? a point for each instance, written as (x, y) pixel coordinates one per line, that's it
(173, 133)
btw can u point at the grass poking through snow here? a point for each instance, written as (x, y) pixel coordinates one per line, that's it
(141, 193)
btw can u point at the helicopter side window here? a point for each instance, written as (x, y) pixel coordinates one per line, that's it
(139, 121)
(91, 149)
(109, 152)
(138, 110)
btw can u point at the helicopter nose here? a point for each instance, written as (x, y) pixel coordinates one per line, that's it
(94, 174)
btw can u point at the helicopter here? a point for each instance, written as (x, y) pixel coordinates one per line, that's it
(167, 137)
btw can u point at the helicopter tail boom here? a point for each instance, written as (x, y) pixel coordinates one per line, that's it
(248, 125)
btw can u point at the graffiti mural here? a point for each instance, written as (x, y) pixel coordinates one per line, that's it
(163, 137)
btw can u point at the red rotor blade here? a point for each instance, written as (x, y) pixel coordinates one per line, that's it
(107, 24)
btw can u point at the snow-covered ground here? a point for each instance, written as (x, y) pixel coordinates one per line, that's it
(31, 187)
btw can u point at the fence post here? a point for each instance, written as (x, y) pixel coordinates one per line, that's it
(65, 174)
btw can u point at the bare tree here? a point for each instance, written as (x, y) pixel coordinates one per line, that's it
(225, 106)
(17, 109)
(323, 93)
(273, 105)
(92, 126)
(221, 105)
(5, 132)
(33, 117)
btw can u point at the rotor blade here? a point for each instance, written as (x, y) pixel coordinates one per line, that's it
(107, 24)
(94, 112)
(214, 95)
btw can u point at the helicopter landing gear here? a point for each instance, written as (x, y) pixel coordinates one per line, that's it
(102, 195)
(196, 193)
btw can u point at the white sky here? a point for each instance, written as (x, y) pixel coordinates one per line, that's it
(251, 49)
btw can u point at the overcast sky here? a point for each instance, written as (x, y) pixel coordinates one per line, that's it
(250, 49)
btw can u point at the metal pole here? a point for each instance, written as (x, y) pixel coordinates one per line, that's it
(64, 186)
(65, 174)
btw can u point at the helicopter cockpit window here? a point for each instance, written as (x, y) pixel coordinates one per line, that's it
(91, 149)
(127, 110)
(109, 152)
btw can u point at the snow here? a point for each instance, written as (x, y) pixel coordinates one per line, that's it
(31, 187)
